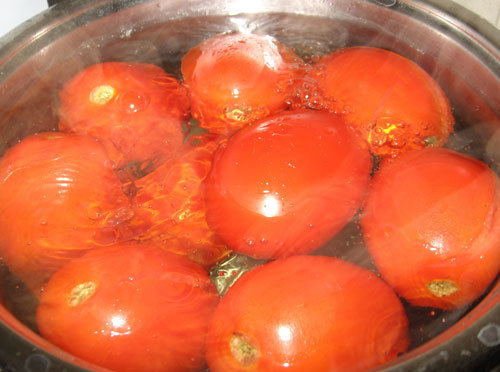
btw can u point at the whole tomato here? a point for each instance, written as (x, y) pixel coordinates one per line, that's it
(130, 308)
(135, 109)
(307, 313)
(59, 197)
(286, 184)
(171, 199)
(391, 102)
(237, 78)
(432, 226)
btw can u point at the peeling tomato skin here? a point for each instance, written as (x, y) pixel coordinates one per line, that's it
(147, 309)
(272, 184)
(392, 103)
(135, 109)
(432, 226)
(306, 313)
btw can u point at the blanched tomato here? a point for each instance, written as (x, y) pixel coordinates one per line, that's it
(432, 225)
(306, 313)
(286, 184)
(171, 200)
(59, 197)
(237, 78)
(391, 101)
(136, 110)
(130, 308)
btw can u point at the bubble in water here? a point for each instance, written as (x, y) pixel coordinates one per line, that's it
(133, 102)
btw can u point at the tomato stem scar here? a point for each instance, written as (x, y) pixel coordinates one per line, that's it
(243, 349)
(442, 287)
(81, 293)
(102, 94)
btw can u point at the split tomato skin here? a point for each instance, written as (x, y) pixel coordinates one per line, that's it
(130, 308)
(237, 78)
(286, 184)
(432, 225)
(135, 109)
(59, 197)
(393, 104)
(306, 313)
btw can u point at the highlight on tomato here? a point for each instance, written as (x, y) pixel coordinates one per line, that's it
(286, 184)
(130, 308)
(432, 226)
(135, 109)
(393, 104)
(171, 200)
(59, 197)
(307, 313)
(237, 78)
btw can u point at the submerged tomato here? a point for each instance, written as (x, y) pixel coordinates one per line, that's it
(130, 308)
(237, 78)
(286, 184)
(432, 226)
(307, 313)
(136, 110)
(59, 197)
(171, 200)
(391, 101)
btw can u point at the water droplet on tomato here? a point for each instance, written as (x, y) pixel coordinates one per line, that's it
(133, 102)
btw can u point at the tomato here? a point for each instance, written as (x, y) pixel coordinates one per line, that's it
(432, 226)
(171, 200)
(135, 109)
(237, 78)
(130, 308)
(59, 197)
(286, 184)
(391, 102)
(306, 313)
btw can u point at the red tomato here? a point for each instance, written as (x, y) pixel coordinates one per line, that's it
(286, 184)
(391, 102)
(171, 200)
(135, 109)
(432, 225)
(59, 197)
(130, 308)
(237, 78)
(307, 313)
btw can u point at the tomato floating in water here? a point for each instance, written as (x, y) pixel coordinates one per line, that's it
(59, 197)
(135, 109)
(307, 313)
(432, 226)
(237, 78)
(130, 308)
(171, 200)
(286, 184)
(388, 99)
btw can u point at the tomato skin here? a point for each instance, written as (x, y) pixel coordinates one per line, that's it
(59, 197)
(148, 310)
(432, 226)
(135, 109)
(377, 90)
(307, 313)
(171, 199)
(237, 78)
(273, 185)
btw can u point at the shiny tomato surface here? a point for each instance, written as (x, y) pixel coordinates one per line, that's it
(307, 313)
(237, 78)
(135, 109)
(130, 308)
(286, 184)
(392, 102)
(171, 199)
(432, 226)
(59, 197)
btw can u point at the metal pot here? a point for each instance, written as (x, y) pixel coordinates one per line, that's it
(458, 49)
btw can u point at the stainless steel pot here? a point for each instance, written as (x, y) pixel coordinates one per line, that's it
(458, 49)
